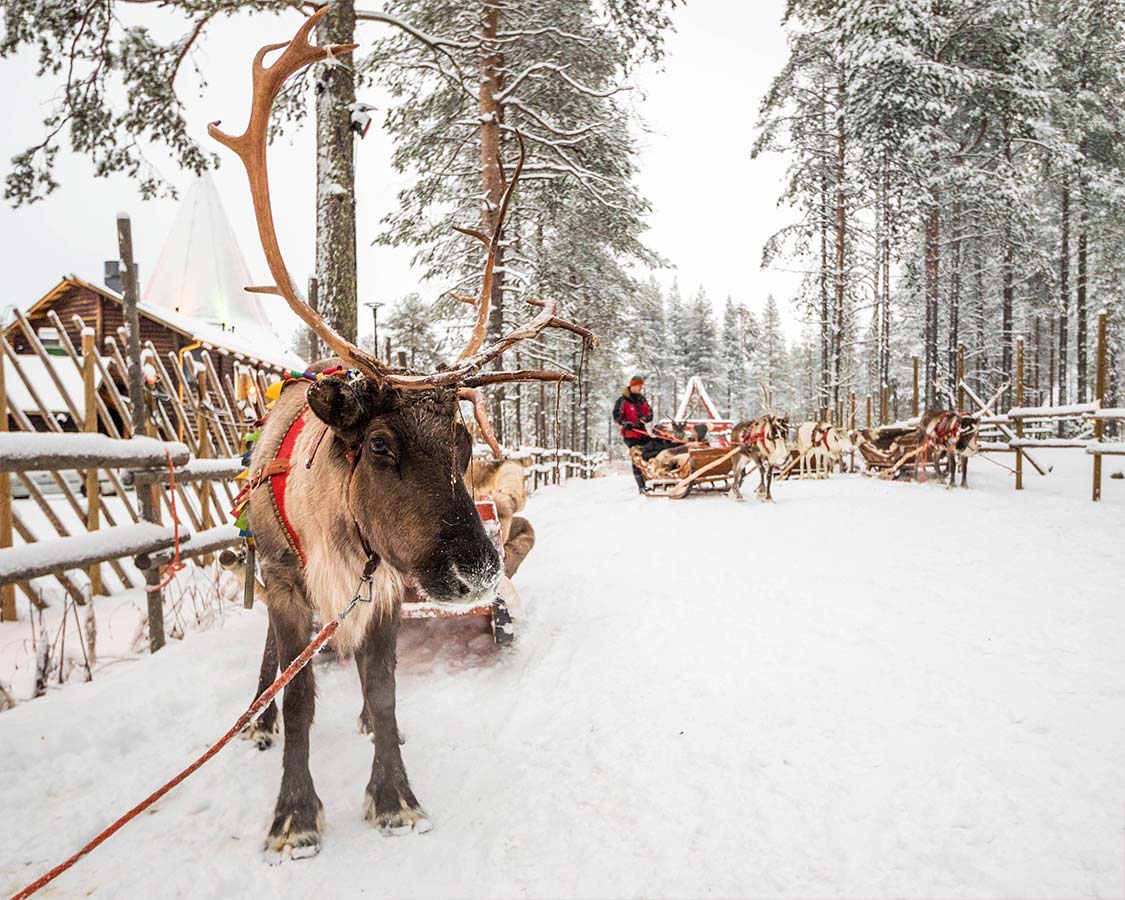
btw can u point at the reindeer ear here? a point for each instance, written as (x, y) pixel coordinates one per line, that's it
(347, 406)
(339, 404)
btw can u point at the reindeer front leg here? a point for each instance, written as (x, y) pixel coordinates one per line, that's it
(390, 803)
(964, 469)
(299, 815)
(263, 728)
(738, 472)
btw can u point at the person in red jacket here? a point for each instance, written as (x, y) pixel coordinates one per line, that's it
(633, 413)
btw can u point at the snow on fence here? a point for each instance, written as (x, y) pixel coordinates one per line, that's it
(1039, 427)
(94, 472)
(555, 466)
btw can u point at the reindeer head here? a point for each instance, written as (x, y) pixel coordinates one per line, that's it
(397, 429)
(406, 452)
(777, 430)
(968, 440)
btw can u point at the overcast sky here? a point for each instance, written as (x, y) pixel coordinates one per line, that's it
(712, 206)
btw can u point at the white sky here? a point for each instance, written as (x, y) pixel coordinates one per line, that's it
(712, 206)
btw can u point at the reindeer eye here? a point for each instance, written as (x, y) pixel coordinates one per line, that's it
(378, 445)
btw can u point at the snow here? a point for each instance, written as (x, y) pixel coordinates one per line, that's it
(82, 549)
(921, 697)
(62, 451)
(1073, 409)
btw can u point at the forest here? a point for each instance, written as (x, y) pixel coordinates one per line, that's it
(955, 176)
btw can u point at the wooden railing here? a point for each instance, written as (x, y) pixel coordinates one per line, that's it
(69, 390)
(544, 466)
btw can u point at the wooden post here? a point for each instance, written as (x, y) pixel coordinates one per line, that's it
(313, 341)
(138, 414)
(914, 406)
(248, 583)
(1019, 402)
(387, 350)
(1099, 394)
(204, 452)
(868, 418)
(90, 426)
(960, 376)
(851, 428)
(8, 591)
(402, 359)
(884, 404)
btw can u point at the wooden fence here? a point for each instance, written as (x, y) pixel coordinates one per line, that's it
(69, 390)
(76, 460)
(543, 466)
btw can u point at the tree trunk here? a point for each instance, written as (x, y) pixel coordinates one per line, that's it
(954, 295)
(841, 236)
(933, 259)
(824, 336)
(1080, 295)
(1006, 308)
(335, 176)
(492, 182)
(885, 312)
(1064, 287)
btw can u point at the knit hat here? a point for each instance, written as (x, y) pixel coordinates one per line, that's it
(636, 379)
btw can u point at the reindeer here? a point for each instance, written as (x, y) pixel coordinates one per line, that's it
(761, 442)
(812, 446)
(502, 481)
(356, 492)
(952, 434)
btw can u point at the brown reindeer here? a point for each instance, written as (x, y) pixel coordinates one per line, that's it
(357, 492)
(953, 434)
(761, 443)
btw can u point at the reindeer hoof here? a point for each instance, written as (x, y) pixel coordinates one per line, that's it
(261, 737)
(407, 818)
(295, 834)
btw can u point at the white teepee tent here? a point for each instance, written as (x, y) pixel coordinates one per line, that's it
(201, 273)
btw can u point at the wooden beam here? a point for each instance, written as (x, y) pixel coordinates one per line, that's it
(79, 551)
(1099, 394)
(8, 591)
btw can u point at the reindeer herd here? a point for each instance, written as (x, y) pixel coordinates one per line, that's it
(943, 440)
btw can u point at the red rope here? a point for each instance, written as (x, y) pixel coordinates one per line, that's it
(267, 695)
(175, 565)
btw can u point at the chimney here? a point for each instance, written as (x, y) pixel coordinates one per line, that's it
(113, 275)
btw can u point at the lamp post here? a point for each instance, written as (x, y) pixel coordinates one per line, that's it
(374, 307)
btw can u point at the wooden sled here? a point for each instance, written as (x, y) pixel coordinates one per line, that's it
(415, 606)
(706, 469)
(895, 454)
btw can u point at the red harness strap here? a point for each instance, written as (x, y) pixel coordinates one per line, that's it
(279, 478)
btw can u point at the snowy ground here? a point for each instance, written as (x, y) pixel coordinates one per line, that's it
(866, 689)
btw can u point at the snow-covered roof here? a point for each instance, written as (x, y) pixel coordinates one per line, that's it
(36, 371)
(245, 341)
(697, 393)
(200, 279)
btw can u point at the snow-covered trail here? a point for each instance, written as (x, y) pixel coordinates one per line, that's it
(865, 689)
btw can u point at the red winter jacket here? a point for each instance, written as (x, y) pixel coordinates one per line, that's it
(630, 411)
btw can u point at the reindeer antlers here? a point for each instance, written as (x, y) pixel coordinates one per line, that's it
(250, 147)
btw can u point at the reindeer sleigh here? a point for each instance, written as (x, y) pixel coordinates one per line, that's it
(676, 474)
(943, 442)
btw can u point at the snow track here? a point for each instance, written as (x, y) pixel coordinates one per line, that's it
(865, 689)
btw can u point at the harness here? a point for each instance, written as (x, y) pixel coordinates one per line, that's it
(276, 471)
(947, 428)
